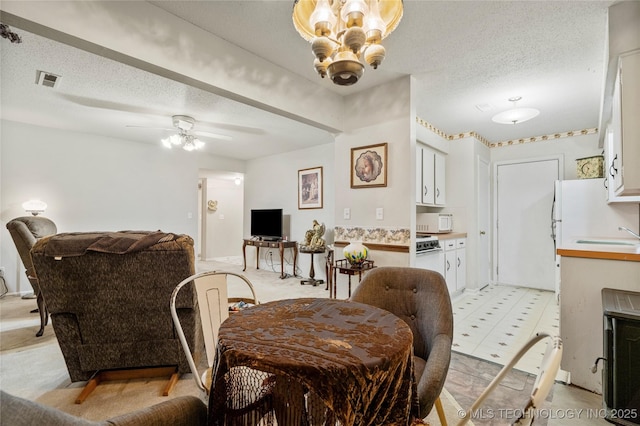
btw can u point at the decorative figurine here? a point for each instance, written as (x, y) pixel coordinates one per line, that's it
(313, 237)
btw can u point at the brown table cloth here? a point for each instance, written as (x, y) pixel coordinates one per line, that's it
(313, 362)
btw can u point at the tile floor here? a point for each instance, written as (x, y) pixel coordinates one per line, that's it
(494, 323)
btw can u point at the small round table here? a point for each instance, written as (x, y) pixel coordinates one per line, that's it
(312, 273)
(313, 361)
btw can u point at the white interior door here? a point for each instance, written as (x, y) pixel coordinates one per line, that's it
(524, 196)
(484, 260)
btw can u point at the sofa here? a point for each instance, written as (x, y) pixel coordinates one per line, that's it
(180, 411)
(108, 294)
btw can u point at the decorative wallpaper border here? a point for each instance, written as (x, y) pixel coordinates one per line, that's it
(390, 236)
(486, 142)
(546, 137)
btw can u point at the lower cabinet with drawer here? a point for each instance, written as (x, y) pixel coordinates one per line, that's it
(455, 268)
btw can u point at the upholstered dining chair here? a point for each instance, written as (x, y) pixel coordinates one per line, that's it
(25, 231)
(212, 290)
(420, 297)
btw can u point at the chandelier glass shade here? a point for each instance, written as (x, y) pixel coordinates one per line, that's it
(344, 33)
(184, 139)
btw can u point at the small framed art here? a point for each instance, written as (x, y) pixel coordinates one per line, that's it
(369, 166)
(310, 188)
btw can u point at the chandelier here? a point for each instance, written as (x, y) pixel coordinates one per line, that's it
(343, 33)
(184, 137)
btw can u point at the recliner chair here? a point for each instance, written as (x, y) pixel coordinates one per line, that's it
(108, 294)
(25, 232)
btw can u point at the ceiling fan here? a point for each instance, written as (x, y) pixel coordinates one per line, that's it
(186, 136)
(178, 120)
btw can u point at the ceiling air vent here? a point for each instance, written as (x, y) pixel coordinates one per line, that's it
(47, 79)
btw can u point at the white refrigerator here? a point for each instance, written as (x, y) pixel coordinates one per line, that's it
(580, 210)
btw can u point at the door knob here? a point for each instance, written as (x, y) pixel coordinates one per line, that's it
(482, 232)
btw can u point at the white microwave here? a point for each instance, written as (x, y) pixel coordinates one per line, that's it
(434, 223)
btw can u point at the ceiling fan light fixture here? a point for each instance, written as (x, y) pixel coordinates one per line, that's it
(336, 26)
(515, 115)
(183, 138)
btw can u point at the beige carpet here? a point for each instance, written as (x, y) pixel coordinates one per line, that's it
(34, 368)
(111, 399)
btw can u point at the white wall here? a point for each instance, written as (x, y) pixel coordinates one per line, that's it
(462, 195)
(92, 183)
(272, 182)
(572, 148)
(380, 115)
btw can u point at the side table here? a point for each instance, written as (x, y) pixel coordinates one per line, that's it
(344, 267)
(312, 273)
(280, 245)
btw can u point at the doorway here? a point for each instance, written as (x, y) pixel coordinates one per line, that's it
(221, 217)
(524, 196)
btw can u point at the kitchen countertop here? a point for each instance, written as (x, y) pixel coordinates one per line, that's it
(447, 236)
(602, 251)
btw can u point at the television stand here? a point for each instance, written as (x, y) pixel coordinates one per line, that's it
(280, 245)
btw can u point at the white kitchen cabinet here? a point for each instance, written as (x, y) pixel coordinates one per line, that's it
(623, 164)
(430, 177)
(609, 172)
(455, 268)
(461, 264)
(439, 179)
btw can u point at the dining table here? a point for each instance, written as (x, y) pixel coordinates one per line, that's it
(313, 361)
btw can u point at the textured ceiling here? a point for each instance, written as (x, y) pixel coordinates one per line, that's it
(461, 53)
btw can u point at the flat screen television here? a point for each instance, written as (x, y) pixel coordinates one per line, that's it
(266, 224)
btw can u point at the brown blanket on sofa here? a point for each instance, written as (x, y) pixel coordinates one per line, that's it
(121, 242)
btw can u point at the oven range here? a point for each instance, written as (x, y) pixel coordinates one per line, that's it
(429, 254)
(427, 243)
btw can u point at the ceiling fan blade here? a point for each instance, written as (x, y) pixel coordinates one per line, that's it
(171, 129)
(231, 127)
(213, 135)
(116, 106)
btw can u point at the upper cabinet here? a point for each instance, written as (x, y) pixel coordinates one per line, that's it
(430, 177)
(623, 137)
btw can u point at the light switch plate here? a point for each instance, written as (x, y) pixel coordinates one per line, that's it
(347, 213)
(379, 213)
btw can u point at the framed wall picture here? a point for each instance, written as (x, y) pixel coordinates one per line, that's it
(369, 166)
(310, 188)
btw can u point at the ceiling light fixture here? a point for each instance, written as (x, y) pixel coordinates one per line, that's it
(342, 32)
(515, 115)
(184, 137)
